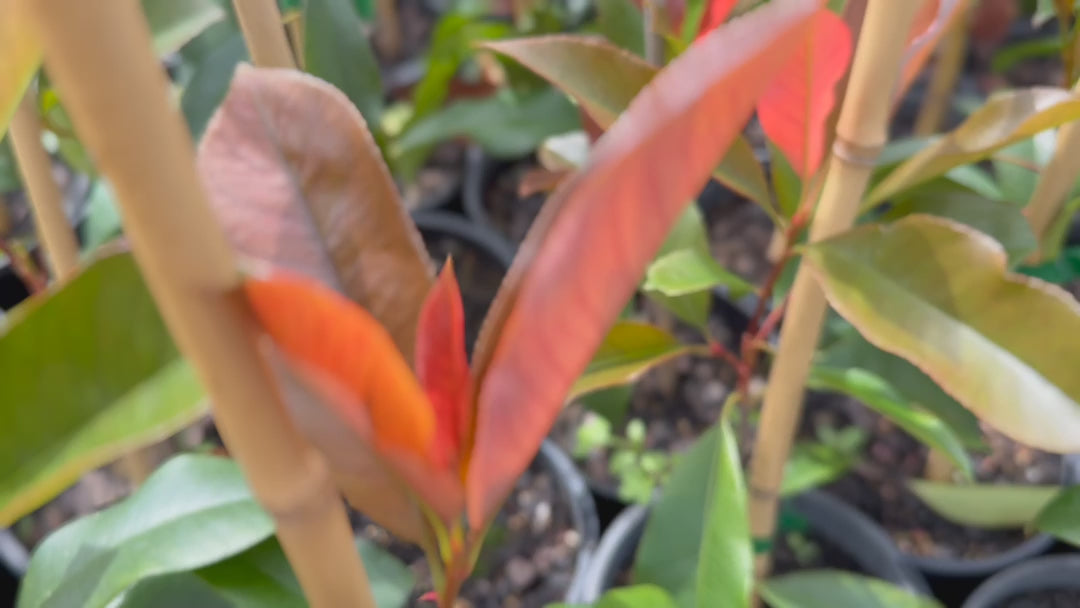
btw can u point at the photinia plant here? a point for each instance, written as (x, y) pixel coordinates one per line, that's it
(423, 442)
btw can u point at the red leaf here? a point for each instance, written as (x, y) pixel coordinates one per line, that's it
(443, 368)
(715, 14)
(794, 110)
(330, 336)
(588, 249)
(930, 24)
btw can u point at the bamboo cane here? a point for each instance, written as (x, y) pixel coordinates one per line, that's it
(99, 54)
(1055, 180)
(264, 33)
(950, 60)
(861, 131)
(388, 37)
(46, 201)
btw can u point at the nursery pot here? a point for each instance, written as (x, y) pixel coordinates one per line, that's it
(1052, 573)
(829, 518)
(977, 569)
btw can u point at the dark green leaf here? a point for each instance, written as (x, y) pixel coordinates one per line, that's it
(208, 85)
(621, 22)
(175, 22)
(336, 50)
(192, 512)
(836, 589)
(1062, 270)
(89, 372)
(504, 126)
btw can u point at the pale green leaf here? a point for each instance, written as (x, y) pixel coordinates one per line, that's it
(1061, 516)
(837, 589)
(192, 512)
(687, 271)
(937, 293)
(1006, 118)
(628, 350)
(174, 23)
(985, 505)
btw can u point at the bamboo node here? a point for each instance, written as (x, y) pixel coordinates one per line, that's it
(855, 153)
(759, 493)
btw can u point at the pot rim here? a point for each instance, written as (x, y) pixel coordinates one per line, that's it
(1040, 573)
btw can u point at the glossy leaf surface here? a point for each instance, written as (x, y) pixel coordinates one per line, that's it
(89, 372)
(988, 505)
(837, 589)
(1003, 120)
(725, 568)
(937, 293)
(192, 512)
(297, 180)
(588, 249)
(336, 50)
(794, 110)
(688, 271)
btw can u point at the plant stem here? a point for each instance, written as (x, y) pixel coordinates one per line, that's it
(47, 202)
(100, 56)
(861, 131)
(950, 61)
(1055, 181)
(264, 33)
(24, 268)
(654, 40)
(388, 28)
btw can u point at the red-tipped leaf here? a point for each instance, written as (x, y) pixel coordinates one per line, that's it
(715, 14)
(442, 366)
(794, 110)
(588, 250)
(934, 18)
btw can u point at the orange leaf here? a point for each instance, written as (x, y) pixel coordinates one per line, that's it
(329, 335)
(443, 368)
(794, 110)
(588, 249)
(297, 180)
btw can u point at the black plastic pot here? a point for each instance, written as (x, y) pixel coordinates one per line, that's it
(450, 224)
(573, 490)
(971, 572)
(13, 561)
(1049, 573)
(829, 518)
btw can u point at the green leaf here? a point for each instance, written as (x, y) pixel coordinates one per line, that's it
(635, 596)
(621, 22)
(193, 511)
(1061, 516)
(668, 553)
(1016, 167)
(1058, 233)
(836, 589)
(985, 505)
(210, 81)
(878, 395)
(1012, 55)
(725, 568)
(504, 126)
(1003, 120)
(336, 50)
(9, 171)
(851, 350)
(813, 464)
(451, 45)
(1064, 269)
(785, 182)
(89, 372)
(174, 23)
(102, 222)
(604, 79)
(687, 271)
(688, 234)
(937, 293)
(261, 578)
(1003, 221)
(628, 350)
(593, 434)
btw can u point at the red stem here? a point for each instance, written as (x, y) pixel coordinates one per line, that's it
(24, 268)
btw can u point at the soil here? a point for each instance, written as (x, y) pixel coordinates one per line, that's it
(438, 181)
(478, 274)
(877, 486)
(527, 560)
(677, 402)
(1051, 598)
(739, 237)
(509, 213)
